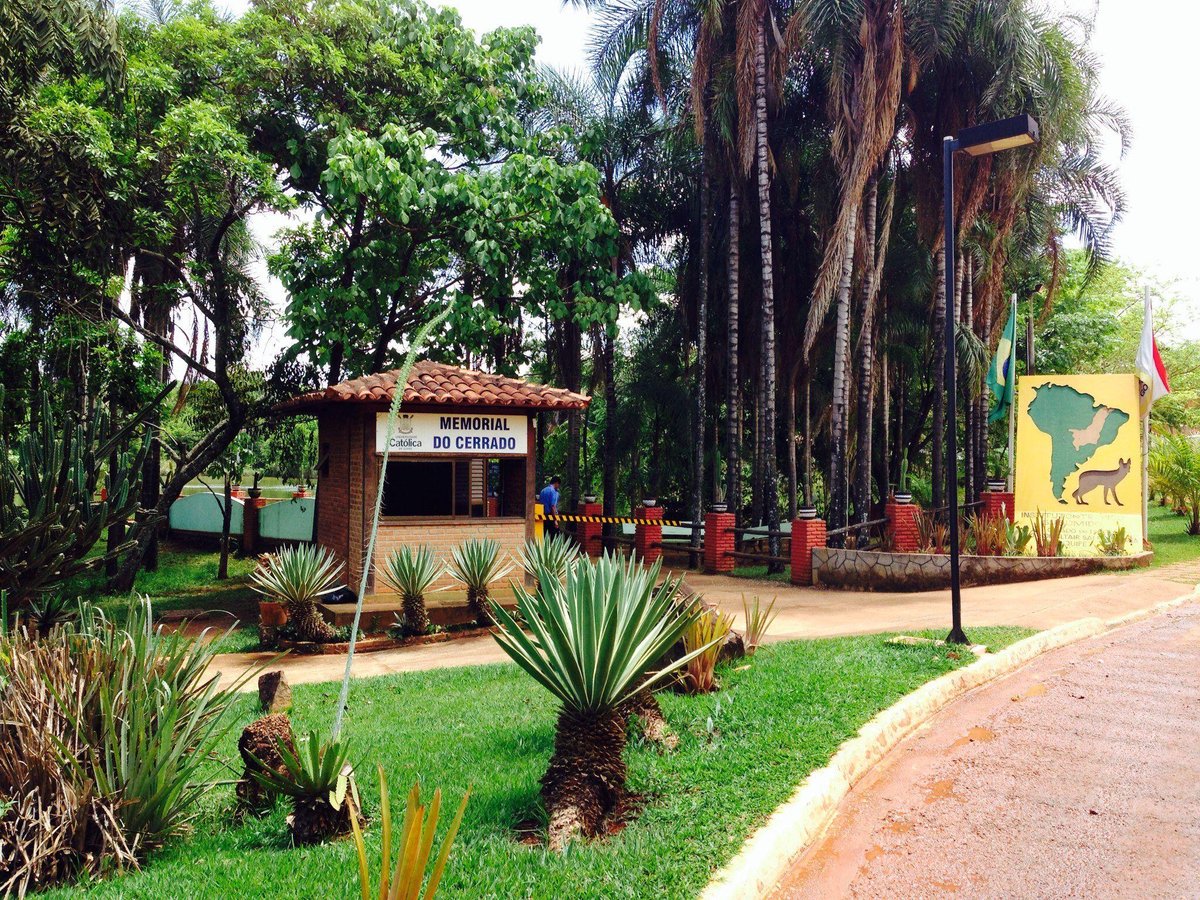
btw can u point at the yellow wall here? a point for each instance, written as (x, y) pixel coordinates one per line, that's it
(1082, 503)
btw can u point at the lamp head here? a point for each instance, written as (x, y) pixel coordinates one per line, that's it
(992, 137)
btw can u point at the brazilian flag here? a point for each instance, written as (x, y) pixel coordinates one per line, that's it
(1002, 375)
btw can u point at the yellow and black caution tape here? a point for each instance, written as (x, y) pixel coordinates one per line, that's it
(615, 520)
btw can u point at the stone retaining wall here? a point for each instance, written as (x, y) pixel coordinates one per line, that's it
(866, 570)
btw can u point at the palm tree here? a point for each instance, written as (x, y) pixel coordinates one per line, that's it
(593, 641)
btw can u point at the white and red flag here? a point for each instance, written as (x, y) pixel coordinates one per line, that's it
(1150, 366)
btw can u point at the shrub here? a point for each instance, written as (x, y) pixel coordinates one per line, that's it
(932, 534)
(475, 564)
(1017, 538)
(1047, 534)
(1174, 468)
(702, 644)
(415, 846)
(105, 730)
(297, 576)
(989, 534)
(1113, 543)
(410, 572)
(758, 620)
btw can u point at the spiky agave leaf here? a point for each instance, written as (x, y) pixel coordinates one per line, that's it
(555, 555)
(298, 574)
(476, 563)
(595, 637)
(410, 571)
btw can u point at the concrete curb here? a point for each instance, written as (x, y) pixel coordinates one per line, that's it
(769, 851)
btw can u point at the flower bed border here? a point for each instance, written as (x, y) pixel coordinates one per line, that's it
(872, 570)
(374, 644)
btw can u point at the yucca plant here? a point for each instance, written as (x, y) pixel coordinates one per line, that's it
(555, 555)
(702, 643)
(593, 641)
(758, 621)
(403, 880)
(410, 572)
(475, 564)
(297, 576)
(320, 782)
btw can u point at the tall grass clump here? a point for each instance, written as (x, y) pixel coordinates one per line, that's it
(104, 731)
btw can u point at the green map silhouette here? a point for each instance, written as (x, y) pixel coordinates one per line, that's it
(1077, 426)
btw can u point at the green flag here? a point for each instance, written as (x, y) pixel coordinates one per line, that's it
(1002, 377)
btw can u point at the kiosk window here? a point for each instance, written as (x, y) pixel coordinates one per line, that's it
(472, 487)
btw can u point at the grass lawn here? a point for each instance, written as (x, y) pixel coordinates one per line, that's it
(759, 573)
(781, 715)
(186, 579)
(1168, 534)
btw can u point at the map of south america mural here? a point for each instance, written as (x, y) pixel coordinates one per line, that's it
(1079, 456)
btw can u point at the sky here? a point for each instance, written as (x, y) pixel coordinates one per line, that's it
(1148, 55)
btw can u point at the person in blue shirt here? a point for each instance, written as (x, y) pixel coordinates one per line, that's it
(549, 500)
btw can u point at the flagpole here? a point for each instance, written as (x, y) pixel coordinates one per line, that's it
(1012, 406)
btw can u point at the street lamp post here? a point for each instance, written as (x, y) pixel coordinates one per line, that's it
(978, 140)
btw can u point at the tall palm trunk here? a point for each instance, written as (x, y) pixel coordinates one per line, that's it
(770, 479)
(866, 361)
(838, 409)
(939, 394)
(789, 427)
(971, 476)
(733, 430)
(610, 424)
(808, 495)
(701, 367)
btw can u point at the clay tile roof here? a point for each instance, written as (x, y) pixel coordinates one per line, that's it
(437, 383)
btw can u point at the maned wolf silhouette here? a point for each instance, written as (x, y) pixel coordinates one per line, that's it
(1108, 478)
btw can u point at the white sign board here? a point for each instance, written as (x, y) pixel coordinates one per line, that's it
(422, 434)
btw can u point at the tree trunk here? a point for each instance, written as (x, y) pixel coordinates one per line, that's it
(733, 413)
(939, 394)
(610, 425)
(308, 623)
(969, 401)
(701, 368)
(644, 706)
(789, 427)
(808, 494)
(585, 781)
(866, 363)
(416, 616)
(838, 408)
(226, 518)
(766, 247)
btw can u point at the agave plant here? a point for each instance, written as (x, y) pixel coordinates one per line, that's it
(475, 564)
(297, 576)
(416, 846)
(320, 782)
(555, 555)
(593, 641)
(51, 610)
(410, 572)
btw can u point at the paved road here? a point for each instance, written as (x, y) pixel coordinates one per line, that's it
(805, 612)
(1078, 776)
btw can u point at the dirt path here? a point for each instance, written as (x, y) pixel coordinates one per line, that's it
(803, 612)
(1078, 776)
